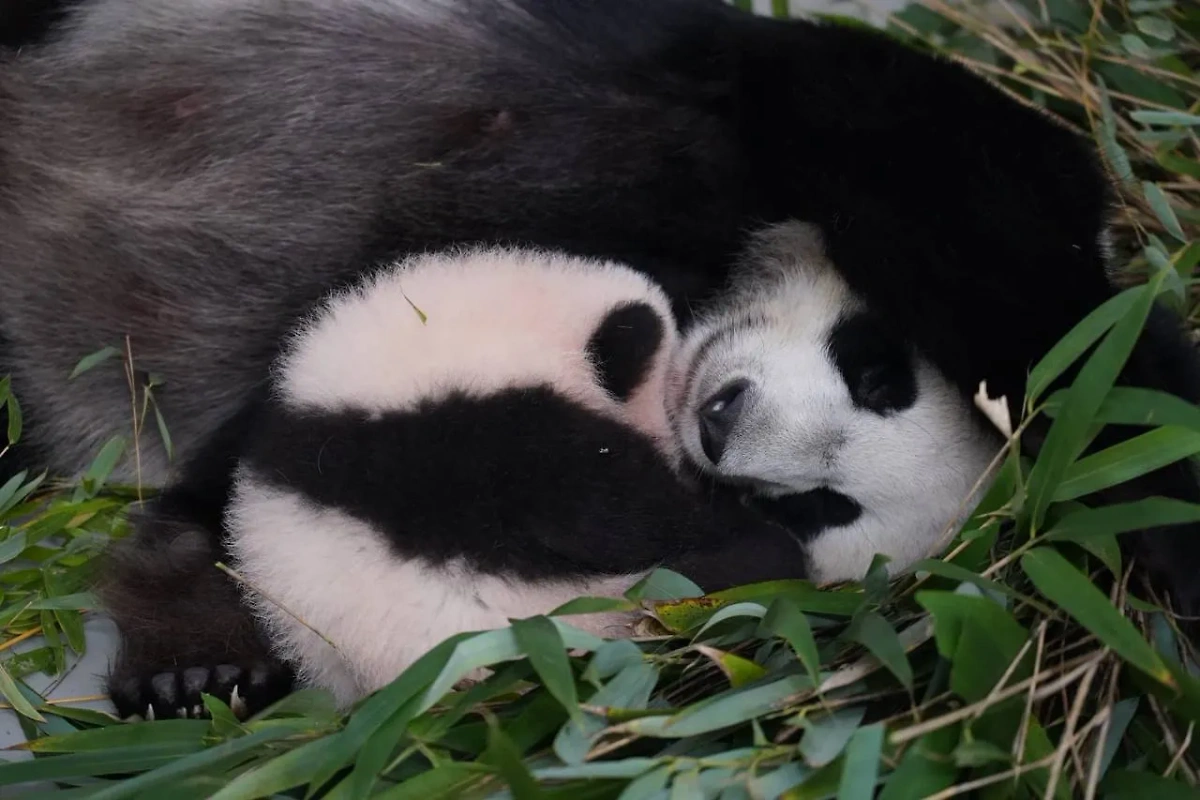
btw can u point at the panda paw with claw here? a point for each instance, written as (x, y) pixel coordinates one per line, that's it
(175, 693)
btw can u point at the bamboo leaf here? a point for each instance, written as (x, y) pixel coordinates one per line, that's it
(104, 463)
(163, 433)
(506, 758)
(877, 635)
(732, 612)
(82, 601)
(1127, 460)
(630, 688)
(1063, 584)
(1137, 46)
(1151, 512)
(1068, 433)
(739, 671)
(592, 605)
(100, 762)
(1117, 158)
(539, 639)
(925, 768)
(947, 569)
(1156, 28)
(860, 772)
(8, 688)
(94, 360)
(663, 584)
(15, 419)
(1165, 117)
(1162, 209)
(650, 785)
(725, 710)
(12, 547)
(826, 736)
(786, 621)
(168, 775)
(1087, 332)
(187, 731)
(449, 781)
(1130, 405)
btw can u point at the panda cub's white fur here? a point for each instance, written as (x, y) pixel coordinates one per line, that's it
(911, 471)
(494, 320)
(472, 320)
(380, 612)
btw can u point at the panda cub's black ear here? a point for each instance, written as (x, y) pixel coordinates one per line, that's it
(623, 347)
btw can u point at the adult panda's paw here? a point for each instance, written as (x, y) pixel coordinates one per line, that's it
(175, 693)
(184, 629)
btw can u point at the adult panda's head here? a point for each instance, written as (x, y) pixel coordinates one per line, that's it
(794, 392)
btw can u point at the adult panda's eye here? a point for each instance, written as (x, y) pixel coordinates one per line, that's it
(884, 387)
(876, 364)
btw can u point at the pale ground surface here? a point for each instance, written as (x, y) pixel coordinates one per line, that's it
(83, 676)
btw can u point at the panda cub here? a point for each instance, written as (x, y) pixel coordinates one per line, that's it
(792, 392)
(458, 440)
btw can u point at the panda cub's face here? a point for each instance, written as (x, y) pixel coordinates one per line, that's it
(792, 390)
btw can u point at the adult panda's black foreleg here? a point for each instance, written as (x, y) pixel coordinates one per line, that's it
(184, 630)
(183, 624)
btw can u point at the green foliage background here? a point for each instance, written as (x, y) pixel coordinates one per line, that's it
(999, 670)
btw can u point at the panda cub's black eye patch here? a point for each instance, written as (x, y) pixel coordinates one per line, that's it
(624, 346)
(875, 363)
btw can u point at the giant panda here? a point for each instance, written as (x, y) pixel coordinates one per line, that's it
(461, 438)
(195, 175)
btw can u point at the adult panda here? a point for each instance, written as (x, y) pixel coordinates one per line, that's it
(411, 477)
(195, 175)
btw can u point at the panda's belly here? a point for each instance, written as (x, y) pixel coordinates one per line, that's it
(359, 615)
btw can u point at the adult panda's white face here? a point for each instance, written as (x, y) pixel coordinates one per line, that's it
(793, 390)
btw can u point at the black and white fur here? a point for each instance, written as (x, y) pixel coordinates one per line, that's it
(793, 392)
(196, 175)
(410, 478)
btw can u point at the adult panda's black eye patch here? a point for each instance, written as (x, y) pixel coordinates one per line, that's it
(875, 363)
(624, 346)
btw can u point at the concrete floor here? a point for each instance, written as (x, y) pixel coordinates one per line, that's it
(83, 676)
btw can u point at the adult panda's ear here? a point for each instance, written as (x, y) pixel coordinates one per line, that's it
(623, 348)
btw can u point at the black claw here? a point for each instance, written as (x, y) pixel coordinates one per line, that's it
(176, 693)
(195, 679)
(163, 688)
(227, 676)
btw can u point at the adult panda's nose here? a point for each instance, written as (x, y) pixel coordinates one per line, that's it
(718, 417)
